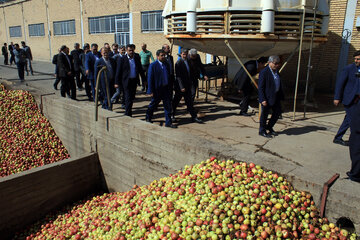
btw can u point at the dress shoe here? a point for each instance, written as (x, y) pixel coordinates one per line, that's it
(55, 87)
(264, 134)
(173, 119)
(341, 142)
(171, 126)
(272, 132)
(197, 120)
(245, 114)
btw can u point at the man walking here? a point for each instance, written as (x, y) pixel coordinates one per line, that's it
(105, 60)
(182, 86)
(354, 144)
(12, 55)
(196, 68)
(85, 80)
(29, 58)
(128, 69)
(170, 61)
(5, 53)
(20, 60)
(347, 91)
(90, 60)
(145, 56)
(243, 82)
(77, 65)
(270, 95)
(54, 61)
(159, 88)
(65, 73)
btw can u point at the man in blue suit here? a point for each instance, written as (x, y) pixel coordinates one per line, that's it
(160, 87)
(270, 95)
(105, 60)
(347, 91)
(90, 60)
(128, 69)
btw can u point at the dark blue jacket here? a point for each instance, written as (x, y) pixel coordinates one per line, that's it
(90, 59)
(347, 85)
(100, 62)
(267, 88)
(123, 70)
(158, 85)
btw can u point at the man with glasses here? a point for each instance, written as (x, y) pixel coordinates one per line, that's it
(270, 95)
(347, 91)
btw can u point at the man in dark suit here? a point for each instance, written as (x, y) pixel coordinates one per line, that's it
(12, 55)
(29, 58)
(128, 69)
(170, 61)
(54, 61)
(77, 65)
(105, 60)
(197, 69)
(346, 91)
(84, 79)
(159, 87)
(65, 67)
(5, 53)
(354, 142)
(243, 82)
(90, 60)
(270, 95)
(182, 86)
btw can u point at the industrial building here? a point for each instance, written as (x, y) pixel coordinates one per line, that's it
(47, 24)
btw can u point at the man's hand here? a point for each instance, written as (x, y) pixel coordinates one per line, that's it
(69, 73)
(264, 103)
(182, 90)
(239, 91)
(87, 72)
(336, 102)
(206, 78)
(116, 86)
(151, 94)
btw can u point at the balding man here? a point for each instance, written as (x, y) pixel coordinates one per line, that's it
(270, 95)
(196, 69)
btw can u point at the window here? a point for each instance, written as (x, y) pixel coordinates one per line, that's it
(107, 24)
(36, 30)
(15, 31)
(152, 21)
(64, 27)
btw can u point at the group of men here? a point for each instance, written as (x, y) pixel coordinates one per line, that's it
(161, 79)
(22, 57)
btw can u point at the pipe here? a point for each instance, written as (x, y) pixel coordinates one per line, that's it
(191, 16)
(23, 18)
(267, 16)
(6, 28)
(48, 25)
(299, 59)
(289, 58)
(104, 68)
(82, 22)
(310, 55)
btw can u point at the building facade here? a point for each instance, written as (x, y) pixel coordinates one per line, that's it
(45, 25)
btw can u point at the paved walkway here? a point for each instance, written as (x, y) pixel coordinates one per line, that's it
(306, 143)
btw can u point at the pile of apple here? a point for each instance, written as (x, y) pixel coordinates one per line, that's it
(27, 139)
(211, 200)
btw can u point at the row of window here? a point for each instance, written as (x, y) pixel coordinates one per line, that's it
(150, 21)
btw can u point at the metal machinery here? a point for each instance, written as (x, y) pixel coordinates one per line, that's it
(247, 28)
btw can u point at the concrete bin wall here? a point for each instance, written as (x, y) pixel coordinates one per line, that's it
(28, 196)
(136, 152)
